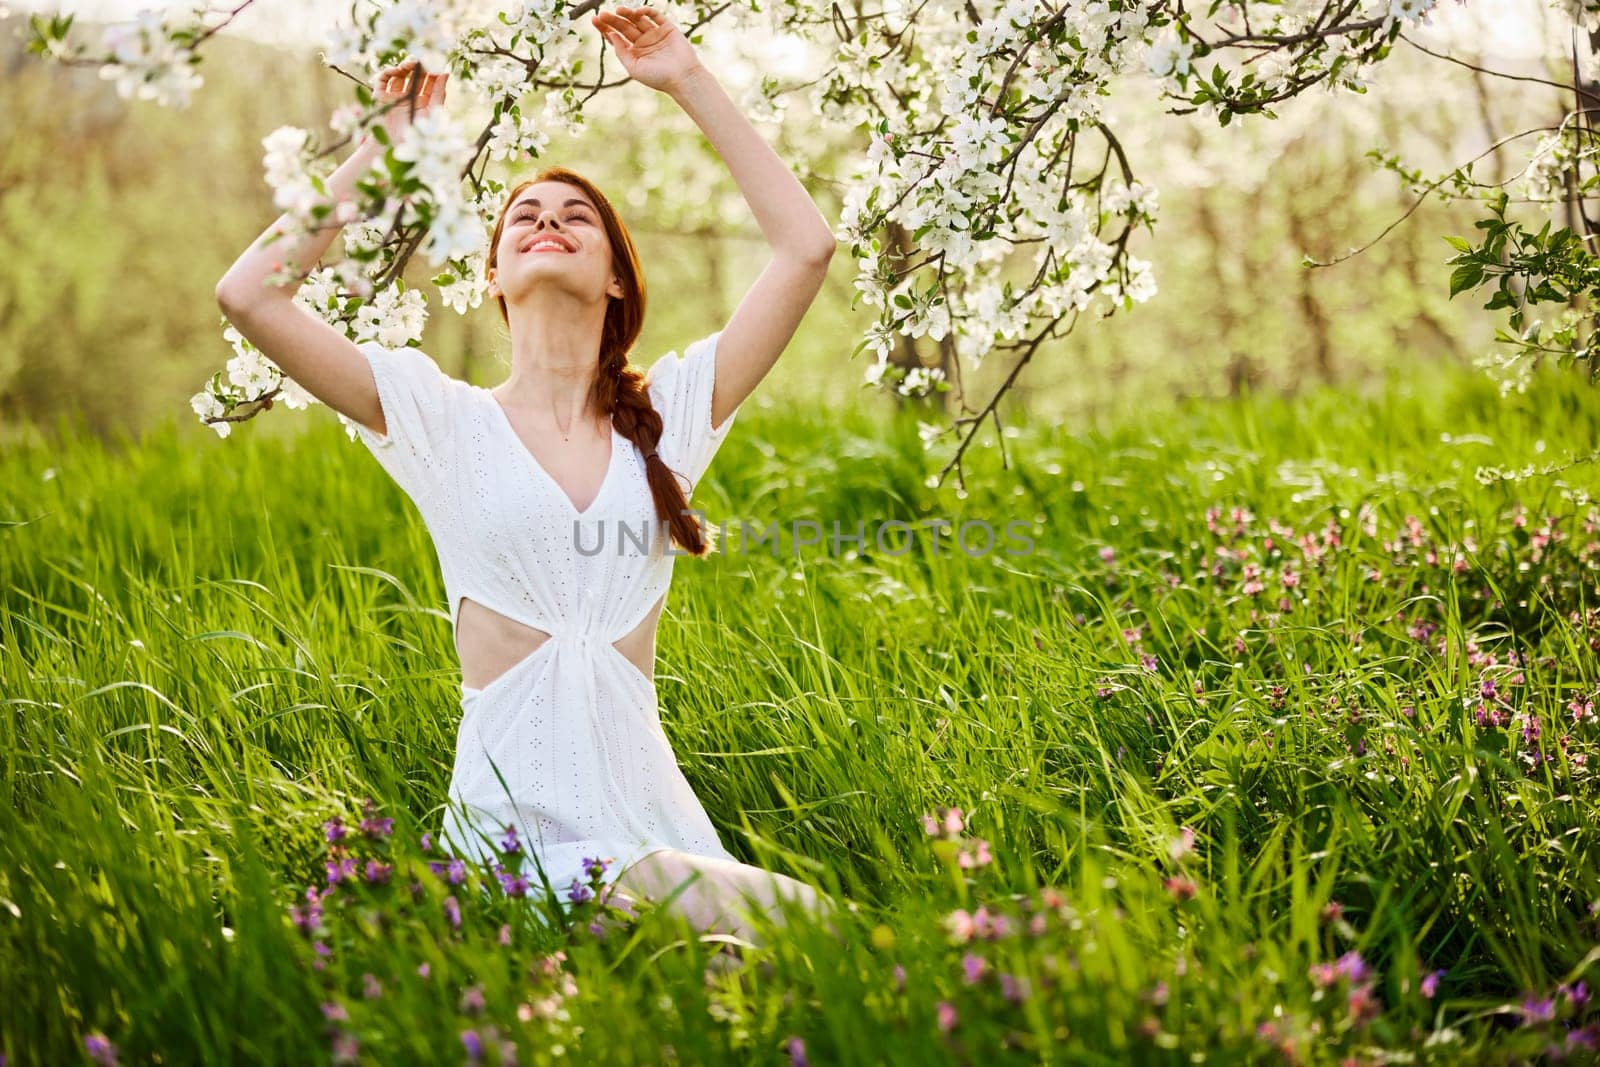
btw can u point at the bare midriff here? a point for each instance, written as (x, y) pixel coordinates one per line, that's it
(489, 644)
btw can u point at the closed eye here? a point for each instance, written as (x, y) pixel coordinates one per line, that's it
(529, 216)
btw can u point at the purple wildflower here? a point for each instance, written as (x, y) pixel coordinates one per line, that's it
(378, 872)
(1013, 988)
(458, 872)
(797, 1052)
(334, 1012)
(899, 978)
(1353, 967)
(99, 1048)
(371, 988)
(579, 892)
(977, 856)
(509, 844)
(306, 918)
(427, 840)
(1430, 984)
(377, 828)
(947, 1015)
(1577, 993)
(473, 1044)
(346, 1047)
(1535, 1010)
(334, 829)
(452, 910)
(1363, 1004)
(991, 926)
(513, 885)
(472, 1000)
(972, 967)
(339, 870)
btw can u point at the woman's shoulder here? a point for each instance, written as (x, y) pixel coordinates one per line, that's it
(417, 366)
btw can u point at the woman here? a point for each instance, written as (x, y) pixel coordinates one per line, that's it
(560, 750)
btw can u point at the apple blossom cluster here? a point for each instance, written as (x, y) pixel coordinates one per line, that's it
(1554, 156)
(148, 63)
(993, 203)
(394, 317)
(1583, 13)
(968, 217)
(962, 181)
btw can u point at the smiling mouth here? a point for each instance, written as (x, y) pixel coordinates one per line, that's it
(547, 244)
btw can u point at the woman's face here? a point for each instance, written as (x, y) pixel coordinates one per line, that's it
(553, 237)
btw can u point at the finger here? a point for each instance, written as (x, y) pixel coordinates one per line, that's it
(626, 26)
(649, 18)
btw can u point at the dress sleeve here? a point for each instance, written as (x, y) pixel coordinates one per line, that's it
(418, 413)
(680, 389)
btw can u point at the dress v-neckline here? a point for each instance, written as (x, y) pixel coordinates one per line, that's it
(533, 461)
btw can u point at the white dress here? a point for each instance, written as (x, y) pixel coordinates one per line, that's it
(566, 745)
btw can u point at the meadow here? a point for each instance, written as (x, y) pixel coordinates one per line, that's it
(1278, 747)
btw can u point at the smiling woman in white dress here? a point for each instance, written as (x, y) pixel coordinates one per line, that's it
(560, 738)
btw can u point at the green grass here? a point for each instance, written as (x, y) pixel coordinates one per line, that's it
(209, 648)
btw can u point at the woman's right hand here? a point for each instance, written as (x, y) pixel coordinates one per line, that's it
(395, 84)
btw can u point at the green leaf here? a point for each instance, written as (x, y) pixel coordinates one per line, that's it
(1466, 276)
(1460, 244)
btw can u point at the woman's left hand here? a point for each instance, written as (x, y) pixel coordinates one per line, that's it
(653, 50)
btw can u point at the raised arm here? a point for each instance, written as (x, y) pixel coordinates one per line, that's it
(320, 359)
(655, 52)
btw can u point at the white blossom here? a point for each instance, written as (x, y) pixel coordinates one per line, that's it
(468, 285)
(1169, 55)
(146, 63)
(516, 136)
(919, 381)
